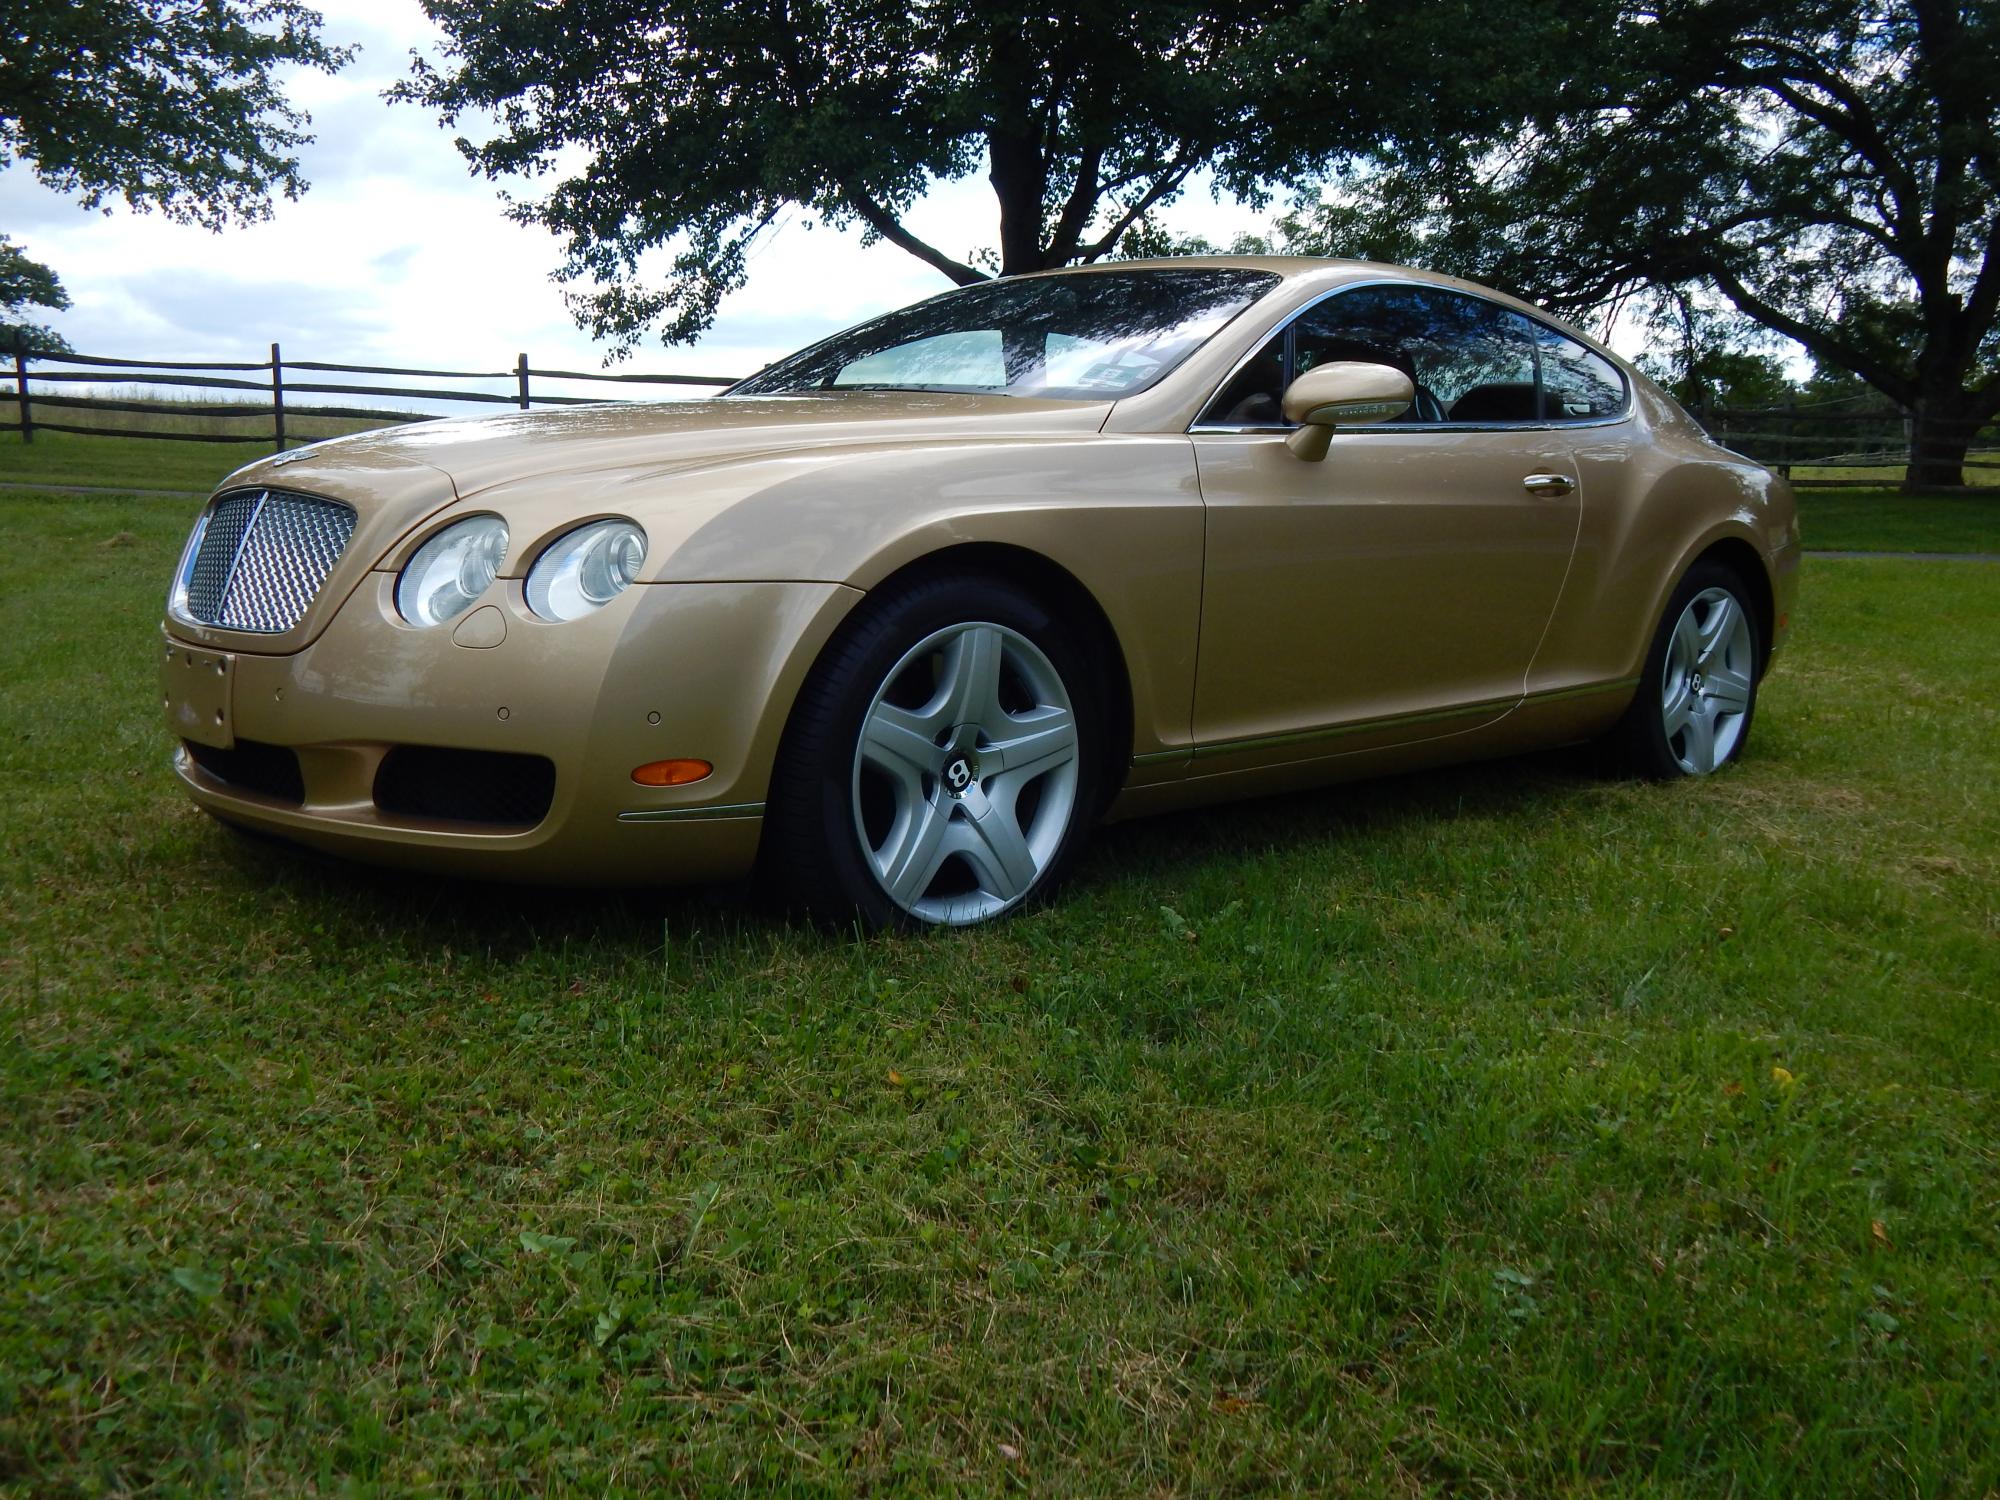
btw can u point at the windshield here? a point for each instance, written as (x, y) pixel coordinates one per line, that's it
(1086, 337)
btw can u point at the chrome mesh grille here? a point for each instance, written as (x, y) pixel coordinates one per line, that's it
(263, 557)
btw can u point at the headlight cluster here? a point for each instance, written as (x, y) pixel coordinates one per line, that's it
(578, 572)
(451, 570)
(586, 569)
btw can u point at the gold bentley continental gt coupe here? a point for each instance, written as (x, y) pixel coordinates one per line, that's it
(896, 620)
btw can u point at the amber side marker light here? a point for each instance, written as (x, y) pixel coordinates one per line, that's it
(671, 772)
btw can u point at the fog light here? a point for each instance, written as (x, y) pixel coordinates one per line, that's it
(671, 772)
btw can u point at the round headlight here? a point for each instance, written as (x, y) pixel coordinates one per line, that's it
(451, 570)
(585, 569)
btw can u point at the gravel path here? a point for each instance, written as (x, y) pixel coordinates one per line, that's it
(1982, 557)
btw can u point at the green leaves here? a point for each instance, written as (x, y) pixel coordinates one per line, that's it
(543, 1244)
(697, 126)
(168, 106)
(205, 1285)
(1828, 171)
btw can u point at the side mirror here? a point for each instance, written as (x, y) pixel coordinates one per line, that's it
(1342, 393)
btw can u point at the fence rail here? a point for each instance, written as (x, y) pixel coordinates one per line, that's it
(1862, 432)
(32, 369)
(1856, 433)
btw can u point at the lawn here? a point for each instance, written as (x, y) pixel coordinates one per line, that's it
(1980, 471)
(132, 463)
(1886, 521)
(1498, 1130)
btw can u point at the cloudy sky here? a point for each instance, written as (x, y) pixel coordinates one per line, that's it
(398, 256)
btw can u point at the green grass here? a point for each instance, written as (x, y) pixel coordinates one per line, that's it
(144, 463)
(1885, 521)
(1498, 1130)
(127, 463)
(1889, 476)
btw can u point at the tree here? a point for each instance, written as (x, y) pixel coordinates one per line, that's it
(25, 284)
(684, 129)
(1830, 170)
(172, 105)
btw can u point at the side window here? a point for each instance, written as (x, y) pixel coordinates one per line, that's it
(1577, 385)
(1250, 399)
(1471, 361)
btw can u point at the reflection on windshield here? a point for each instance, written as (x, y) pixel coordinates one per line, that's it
(1082, 337)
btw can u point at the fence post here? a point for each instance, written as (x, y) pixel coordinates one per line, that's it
(277, 399)
(21, 385)
(521, 374)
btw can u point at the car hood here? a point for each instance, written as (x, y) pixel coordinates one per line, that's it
(396, 478)
(663, 436)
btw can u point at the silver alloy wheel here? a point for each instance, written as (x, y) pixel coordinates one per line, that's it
(1705, 689)
(965, 777)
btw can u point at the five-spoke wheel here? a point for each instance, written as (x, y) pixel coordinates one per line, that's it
(1699, 688)
(943, 763)
(1706, 685)
(965, 776)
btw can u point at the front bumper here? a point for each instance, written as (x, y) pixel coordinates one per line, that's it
(703, 671)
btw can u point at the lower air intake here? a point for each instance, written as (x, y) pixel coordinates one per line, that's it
(489, 787)
(249, 766)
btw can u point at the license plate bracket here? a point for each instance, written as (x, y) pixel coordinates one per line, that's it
(199, 687)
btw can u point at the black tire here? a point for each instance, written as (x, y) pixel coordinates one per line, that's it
(1644, 743)
(814, 857)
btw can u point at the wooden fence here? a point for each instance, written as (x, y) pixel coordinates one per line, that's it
(1863, 432)
(1857, 433)
(272, 379)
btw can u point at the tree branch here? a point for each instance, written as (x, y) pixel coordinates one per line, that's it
(884, 223)
(1862, 136)
(1983, 302)
(1076, 212)
(1817, 340)
(1165, 183)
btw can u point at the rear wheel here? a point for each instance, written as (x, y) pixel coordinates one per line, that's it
(1698, 692)
(942, 765)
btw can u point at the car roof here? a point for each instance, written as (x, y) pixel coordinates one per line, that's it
(1333, 271)
(1282, 265)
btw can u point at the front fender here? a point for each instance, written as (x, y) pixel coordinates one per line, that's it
(1122, 515)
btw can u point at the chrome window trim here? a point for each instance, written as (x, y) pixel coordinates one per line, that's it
(1624, 413)
(1243, 429)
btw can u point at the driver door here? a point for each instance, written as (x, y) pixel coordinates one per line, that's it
(1396, 591)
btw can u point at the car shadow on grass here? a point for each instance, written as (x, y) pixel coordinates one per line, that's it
(506, 917)
(1171, 843)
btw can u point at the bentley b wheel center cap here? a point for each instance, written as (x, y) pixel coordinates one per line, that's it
(960, 772)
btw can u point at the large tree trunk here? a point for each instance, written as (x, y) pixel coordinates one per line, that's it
(1943, 422)
(1019, 174)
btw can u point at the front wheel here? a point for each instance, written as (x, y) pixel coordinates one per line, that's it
(941, 767)
(1698, 692)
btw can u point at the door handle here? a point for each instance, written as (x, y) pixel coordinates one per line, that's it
(1548, 484)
